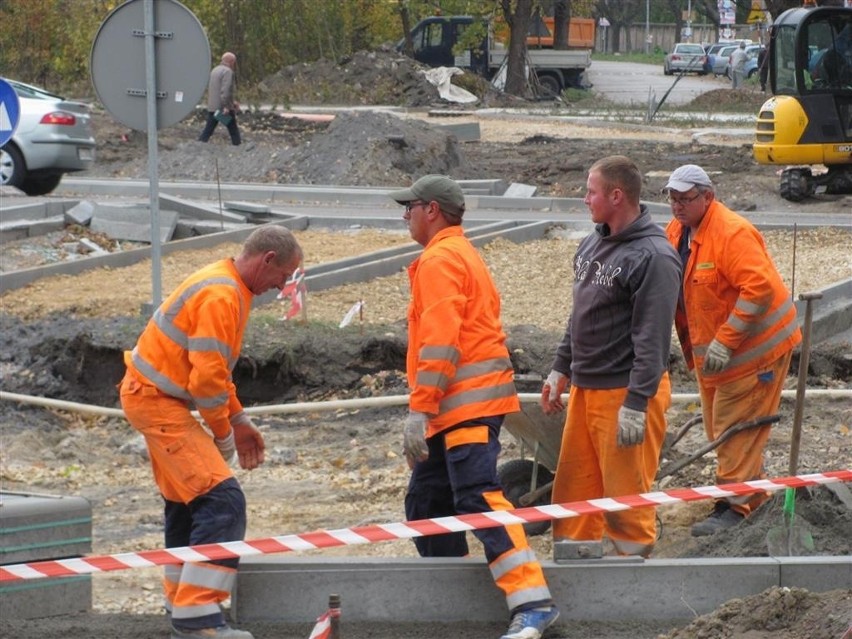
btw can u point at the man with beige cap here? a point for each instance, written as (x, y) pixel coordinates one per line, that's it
(737, 327)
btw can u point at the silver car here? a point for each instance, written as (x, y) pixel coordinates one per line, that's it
(54, 136)
(686, 57)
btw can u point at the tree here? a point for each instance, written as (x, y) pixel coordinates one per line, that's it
(620, 14)
(518, 15)
(561, 16)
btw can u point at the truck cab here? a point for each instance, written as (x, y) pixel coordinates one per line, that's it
(435, 38)
(436, 43)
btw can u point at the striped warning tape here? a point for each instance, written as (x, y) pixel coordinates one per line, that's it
(404, 530)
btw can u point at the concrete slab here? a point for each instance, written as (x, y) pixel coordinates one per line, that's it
(464, 131)
(247, 207)
(20, 229)
(380, 589)
(516, 189)
(81, 213)
(131, 223)
(199, 210)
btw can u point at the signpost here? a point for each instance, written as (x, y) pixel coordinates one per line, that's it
(10, 111)
(150, 63)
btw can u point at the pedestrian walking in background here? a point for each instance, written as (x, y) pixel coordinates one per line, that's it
(737, 326)
(614, 356)
(763, 67)
(221, 106)
(738, 60)
(461, 380)
(184, 358)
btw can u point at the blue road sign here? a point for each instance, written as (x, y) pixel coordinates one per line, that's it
(10, 111)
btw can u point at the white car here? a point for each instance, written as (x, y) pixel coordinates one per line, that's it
(54, 137)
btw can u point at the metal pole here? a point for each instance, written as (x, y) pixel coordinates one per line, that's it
(802, 383)
(153, 176)
(647, 27)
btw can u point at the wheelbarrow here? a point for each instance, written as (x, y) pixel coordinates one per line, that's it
(525, 481)
(529, 482)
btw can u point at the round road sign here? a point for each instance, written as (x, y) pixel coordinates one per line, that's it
(182, 55)
(10, 111)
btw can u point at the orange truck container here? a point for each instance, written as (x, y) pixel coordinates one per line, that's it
(581, 34)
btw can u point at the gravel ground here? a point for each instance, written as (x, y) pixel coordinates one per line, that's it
(54, 329)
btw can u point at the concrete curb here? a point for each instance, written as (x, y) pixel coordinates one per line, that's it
(380, 589)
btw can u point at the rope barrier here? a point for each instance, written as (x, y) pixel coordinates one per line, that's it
(375, 533)
(364, 402)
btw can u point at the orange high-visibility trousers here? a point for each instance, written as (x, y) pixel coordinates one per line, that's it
(591, 465)
(741, 457)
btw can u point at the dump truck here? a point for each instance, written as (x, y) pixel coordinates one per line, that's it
(435, 41)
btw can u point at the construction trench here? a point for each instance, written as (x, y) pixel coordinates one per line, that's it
(379, 589)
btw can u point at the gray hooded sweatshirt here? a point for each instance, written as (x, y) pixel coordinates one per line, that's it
(625, 292)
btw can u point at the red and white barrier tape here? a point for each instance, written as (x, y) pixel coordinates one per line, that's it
(404, 530)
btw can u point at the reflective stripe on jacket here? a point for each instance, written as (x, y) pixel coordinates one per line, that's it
(458, 365)
(732, 292)
(191, 344)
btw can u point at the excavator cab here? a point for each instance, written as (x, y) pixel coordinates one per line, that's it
(808, 121)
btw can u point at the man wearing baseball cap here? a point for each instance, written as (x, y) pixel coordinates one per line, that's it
(737, 328)
(462, 386)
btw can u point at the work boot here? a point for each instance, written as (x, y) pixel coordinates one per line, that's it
(722, 517)
(530, 624)
(219, 632)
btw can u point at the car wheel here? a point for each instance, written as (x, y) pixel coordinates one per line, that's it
(752, 72)
(41, 184)
(666, 70)
(13, 170)
(516, 477)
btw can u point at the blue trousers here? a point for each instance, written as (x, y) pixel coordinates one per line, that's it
(453, 482)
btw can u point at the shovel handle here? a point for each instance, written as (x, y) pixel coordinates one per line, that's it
(733, 430)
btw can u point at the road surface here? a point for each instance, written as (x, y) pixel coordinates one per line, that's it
(628, 83)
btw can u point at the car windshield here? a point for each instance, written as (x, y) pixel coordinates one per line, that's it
(690, 48)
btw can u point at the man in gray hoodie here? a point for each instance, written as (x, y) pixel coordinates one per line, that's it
(614, 355)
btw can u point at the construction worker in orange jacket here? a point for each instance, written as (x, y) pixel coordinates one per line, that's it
(737, 327)
(462, 386)
(184, 358)
(614, 355)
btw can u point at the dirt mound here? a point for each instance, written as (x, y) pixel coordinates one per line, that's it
(776, 613)
(366, 77)
(747, 100)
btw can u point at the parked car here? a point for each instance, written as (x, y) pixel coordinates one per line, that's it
(685, 57)
(53, 137)
(752, 52)
(721, 59)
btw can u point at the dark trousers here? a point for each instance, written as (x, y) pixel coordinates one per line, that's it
(217, 516)
(454, 482)
(210, 126)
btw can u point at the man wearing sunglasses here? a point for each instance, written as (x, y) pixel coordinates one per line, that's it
(737, 327)
(462, 386)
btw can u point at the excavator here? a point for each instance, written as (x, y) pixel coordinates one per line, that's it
(806, 125)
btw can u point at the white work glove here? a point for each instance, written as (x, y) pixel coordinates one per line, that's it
(227, 446)
(414, 438)
(717, 357)
(631, 427)
(554, 383)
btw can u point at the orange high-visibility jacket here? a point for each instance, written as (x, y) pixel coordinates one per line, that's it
(191, 344)
(457, 363)
(732, 292)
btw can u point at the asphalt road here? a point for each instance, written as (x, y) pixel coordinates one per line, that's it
(631, 83)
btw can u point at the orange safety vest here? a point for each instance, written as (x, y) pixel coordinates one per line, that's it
(457, 363)
(732, 292)
(191, 344)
